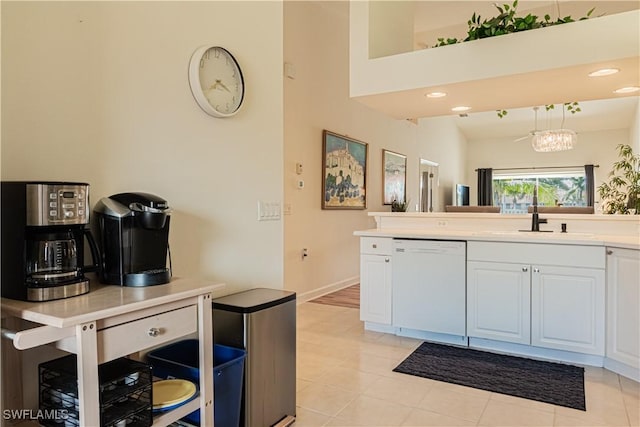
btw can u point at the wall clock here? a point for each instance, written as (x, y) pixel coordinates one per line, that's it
(216, 81)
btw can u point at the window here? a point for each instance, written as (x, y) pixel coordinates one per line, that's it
(513, 192)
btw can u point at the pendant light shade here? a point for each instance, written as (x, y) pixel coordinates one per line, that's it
(554, 140)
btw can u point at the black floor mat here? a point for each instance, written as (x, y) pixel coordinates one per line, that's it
(554, 383)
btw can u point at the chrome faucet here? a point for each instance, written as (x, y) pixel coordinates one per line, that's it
(536, 220)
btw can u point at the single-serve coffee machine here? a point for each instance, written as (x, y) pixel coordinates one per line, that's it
(44, 225)
(134, 239)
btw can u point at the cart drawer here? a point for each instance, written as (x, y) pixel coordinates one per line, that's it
(145, 333)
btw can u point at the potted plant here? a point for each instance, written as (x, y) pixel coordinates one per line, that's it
(621, 194)
(506, 22)
(397, 206)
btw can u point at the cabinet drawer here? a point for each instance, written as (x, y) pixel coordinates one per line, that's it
(151, 331)
(376, 245)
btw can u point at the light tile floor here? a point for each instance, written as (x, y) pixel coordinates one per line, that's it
(345, 378)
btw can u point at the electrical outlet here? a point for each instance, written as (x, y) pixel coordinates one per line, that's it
(442, 223)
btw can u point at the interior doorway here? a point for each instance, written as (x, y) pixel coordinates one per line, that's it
(429, 184)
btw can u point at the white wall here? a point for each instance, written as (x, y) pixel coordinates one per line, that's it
(98, 92)
(597, 148)
(316, 43)
(442, 142)
(390, 27)
(634, 131)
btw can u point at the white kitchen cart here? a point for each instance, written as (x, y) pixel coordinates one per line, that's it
(113, 321)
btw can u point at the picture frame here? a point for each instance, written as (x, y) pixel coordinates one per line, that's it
(394, 175)
(344, 172)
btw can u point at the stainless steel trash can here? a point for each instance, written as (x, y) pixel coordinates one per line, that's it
(263, 323)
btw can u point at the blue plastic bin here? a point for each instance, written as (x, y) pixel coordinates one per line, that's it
(180, 360)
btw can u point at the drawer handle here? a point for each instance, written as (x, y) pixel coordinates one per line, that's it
(525, 269)
(374, 246)
(386, 260)
(536, 270)
(153, 332)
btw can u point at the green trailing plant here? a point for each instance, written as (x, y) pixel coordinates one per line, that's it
(506, 22)
(621, 194)
(570, 107)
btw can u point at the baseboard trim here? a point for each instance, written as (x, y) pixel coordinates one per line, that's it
(308, 296)
(548, 354)
(378, 327)
(433, 337)
(622, 369)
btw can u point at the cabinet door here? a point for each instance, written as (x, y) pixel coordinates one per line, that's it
(567, 309)
(375, 288)
(623, 306)
(498, 301)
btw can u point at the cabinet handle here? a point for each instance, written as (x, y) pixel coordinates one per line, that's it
(536, 270)
(386, 260)
(153, 332)
(374, 246)
(525, 269)
(609, 252)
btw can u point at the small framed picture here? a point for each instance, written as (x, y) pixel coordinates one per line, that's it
(344, 172)
(394, 173)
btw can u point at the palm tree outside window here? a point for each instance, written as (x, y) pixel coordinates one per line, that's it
(513, 192)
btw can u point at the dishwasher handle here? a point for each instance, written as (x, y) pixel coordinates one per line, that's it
(420, 250)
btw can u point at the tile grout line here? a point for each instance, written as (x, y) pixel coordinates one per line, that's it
(484, 409)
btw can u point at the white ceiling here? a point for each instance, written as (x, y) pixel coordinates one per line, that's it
(596, 115)
(437, 18)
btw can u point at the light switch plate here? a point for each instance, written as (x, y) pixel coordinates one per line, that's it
(269, 211)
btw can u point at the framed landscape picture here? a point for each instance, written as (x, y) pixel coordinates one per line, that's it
(394, 173)
(344, 172)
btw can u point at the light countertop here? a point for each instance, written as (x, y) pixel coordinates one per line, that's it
(586, 239)
(105, 300)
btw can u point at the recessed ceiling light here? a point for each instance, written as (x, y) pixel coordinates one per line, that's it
(628, 89)
(604, 72)
(460, 108)
(436, 94)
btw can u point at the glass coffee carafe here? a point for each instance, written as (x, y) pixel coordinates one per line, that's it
(51, 259)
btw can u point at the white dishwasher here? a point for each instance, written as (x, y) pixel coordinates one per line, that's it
(429, 285)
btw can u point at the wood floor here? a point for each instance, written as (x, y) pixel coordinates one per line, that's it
(347, 297)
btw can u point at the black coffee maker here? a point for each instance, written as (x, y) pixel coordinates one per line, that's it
(44, 225)
(134, 239)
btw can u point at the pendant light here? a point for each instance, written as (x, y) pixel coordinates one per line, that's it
(554, 139)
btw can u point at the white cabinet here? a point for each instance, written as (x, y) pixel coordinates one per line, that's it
(375, 280)
(623, 308)
(112, 321)
(498, 301)
(567, 308)
(549, 296)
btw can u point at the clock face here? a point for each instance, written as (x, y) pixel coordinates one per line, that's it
(216, 81)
